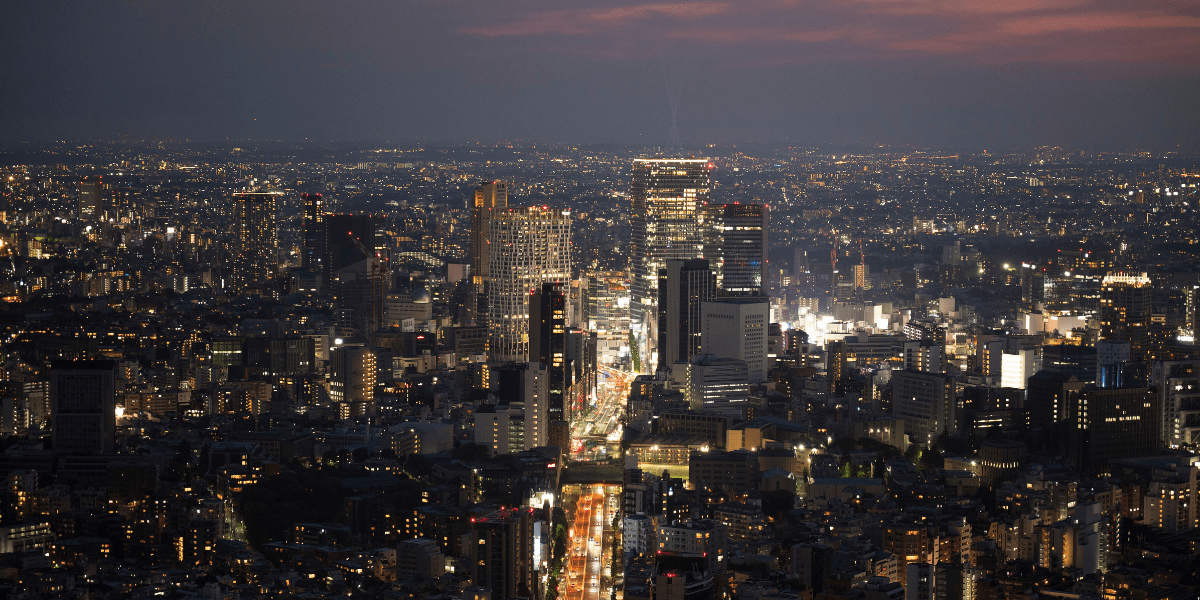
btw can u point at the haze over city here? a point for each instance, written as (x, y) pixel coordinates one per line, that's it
(1100, 75)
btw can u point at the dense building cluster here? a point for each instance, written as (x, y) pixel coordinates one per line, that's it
(537, 372)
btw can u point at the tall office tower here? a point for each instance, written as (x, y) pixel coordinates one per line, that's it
(735, 244)
(352, 381)
(83, 398)
(339, 248)
(717, 383)
(1109, 424)
(683, 287)
(525, 386)
(667, 194)
(926, 403)
(737, 328)
(1125, 308)
(254, 259)
(1178, 385)
(1049, 400)
(1192, 316)
(526, 248)
(489, 198)
(548, 342)
(836, 364)
(862, 277)
(91, 204)
(349, 270)
(486, 201)
(313, 242)
(502, 553)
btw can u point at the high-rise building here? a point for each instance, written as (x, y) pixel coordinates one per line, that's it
(501, 552)
(1192, 314)
(1170, 502)
(525, 386)
(1125, 308)
(735, 244)
(717, 383)
(313, 242)
(667, 194)
(683, 287)
(255, 258)
(83, 398)
(339, 249)
(926, 403)
(489, 198)
(737, 328)
(527, 247)
(1178, 387)
(1050, 398)
(91, 204)
(1110, 424)
(548, 341)
(353, 371)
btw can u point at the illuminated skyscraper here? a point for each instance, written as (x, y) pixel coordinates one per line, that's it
(254, 259)
(667, 194)
(1125, 308)
(314, 232)
(735, 244)
(90, 195)
(489, 198)
(352, 381)
(548, 341)
(683, 286)
(527, 247)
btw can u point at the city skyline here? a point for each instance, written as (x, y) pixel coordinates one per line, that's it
(774, 300)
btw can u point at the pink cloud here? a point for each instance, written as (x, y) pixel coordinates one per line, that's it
(1099, 22)
(800, 31)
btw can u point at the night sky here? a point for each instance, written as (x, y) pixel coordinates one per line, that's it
(1089, 74)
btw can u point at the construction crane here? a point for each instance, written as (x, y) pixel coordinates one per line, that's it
(378, 273)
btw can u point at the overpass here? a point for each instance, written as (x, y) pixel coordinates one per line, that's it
(590, 473)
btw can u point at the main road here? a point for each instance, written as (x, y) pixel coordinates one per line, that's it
(592, 542)
(593, 430)
(591, 509)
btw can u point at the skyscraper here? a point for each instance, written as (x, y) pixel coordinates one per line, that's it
(254, 259)
(313, 241)
(548, 341)
(1110, 424)
(83, 406)
(526, 248)
(735, 244)
(737, 328)
(90, 204)
(352, 381)
(1125, 308)
(501, 553)
(489, 198)
(667, 194)
(684, 285)
(339, 249)
(1178, 389)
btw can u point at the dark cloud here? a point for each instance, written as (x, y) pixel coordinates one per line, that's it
(930, 72)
